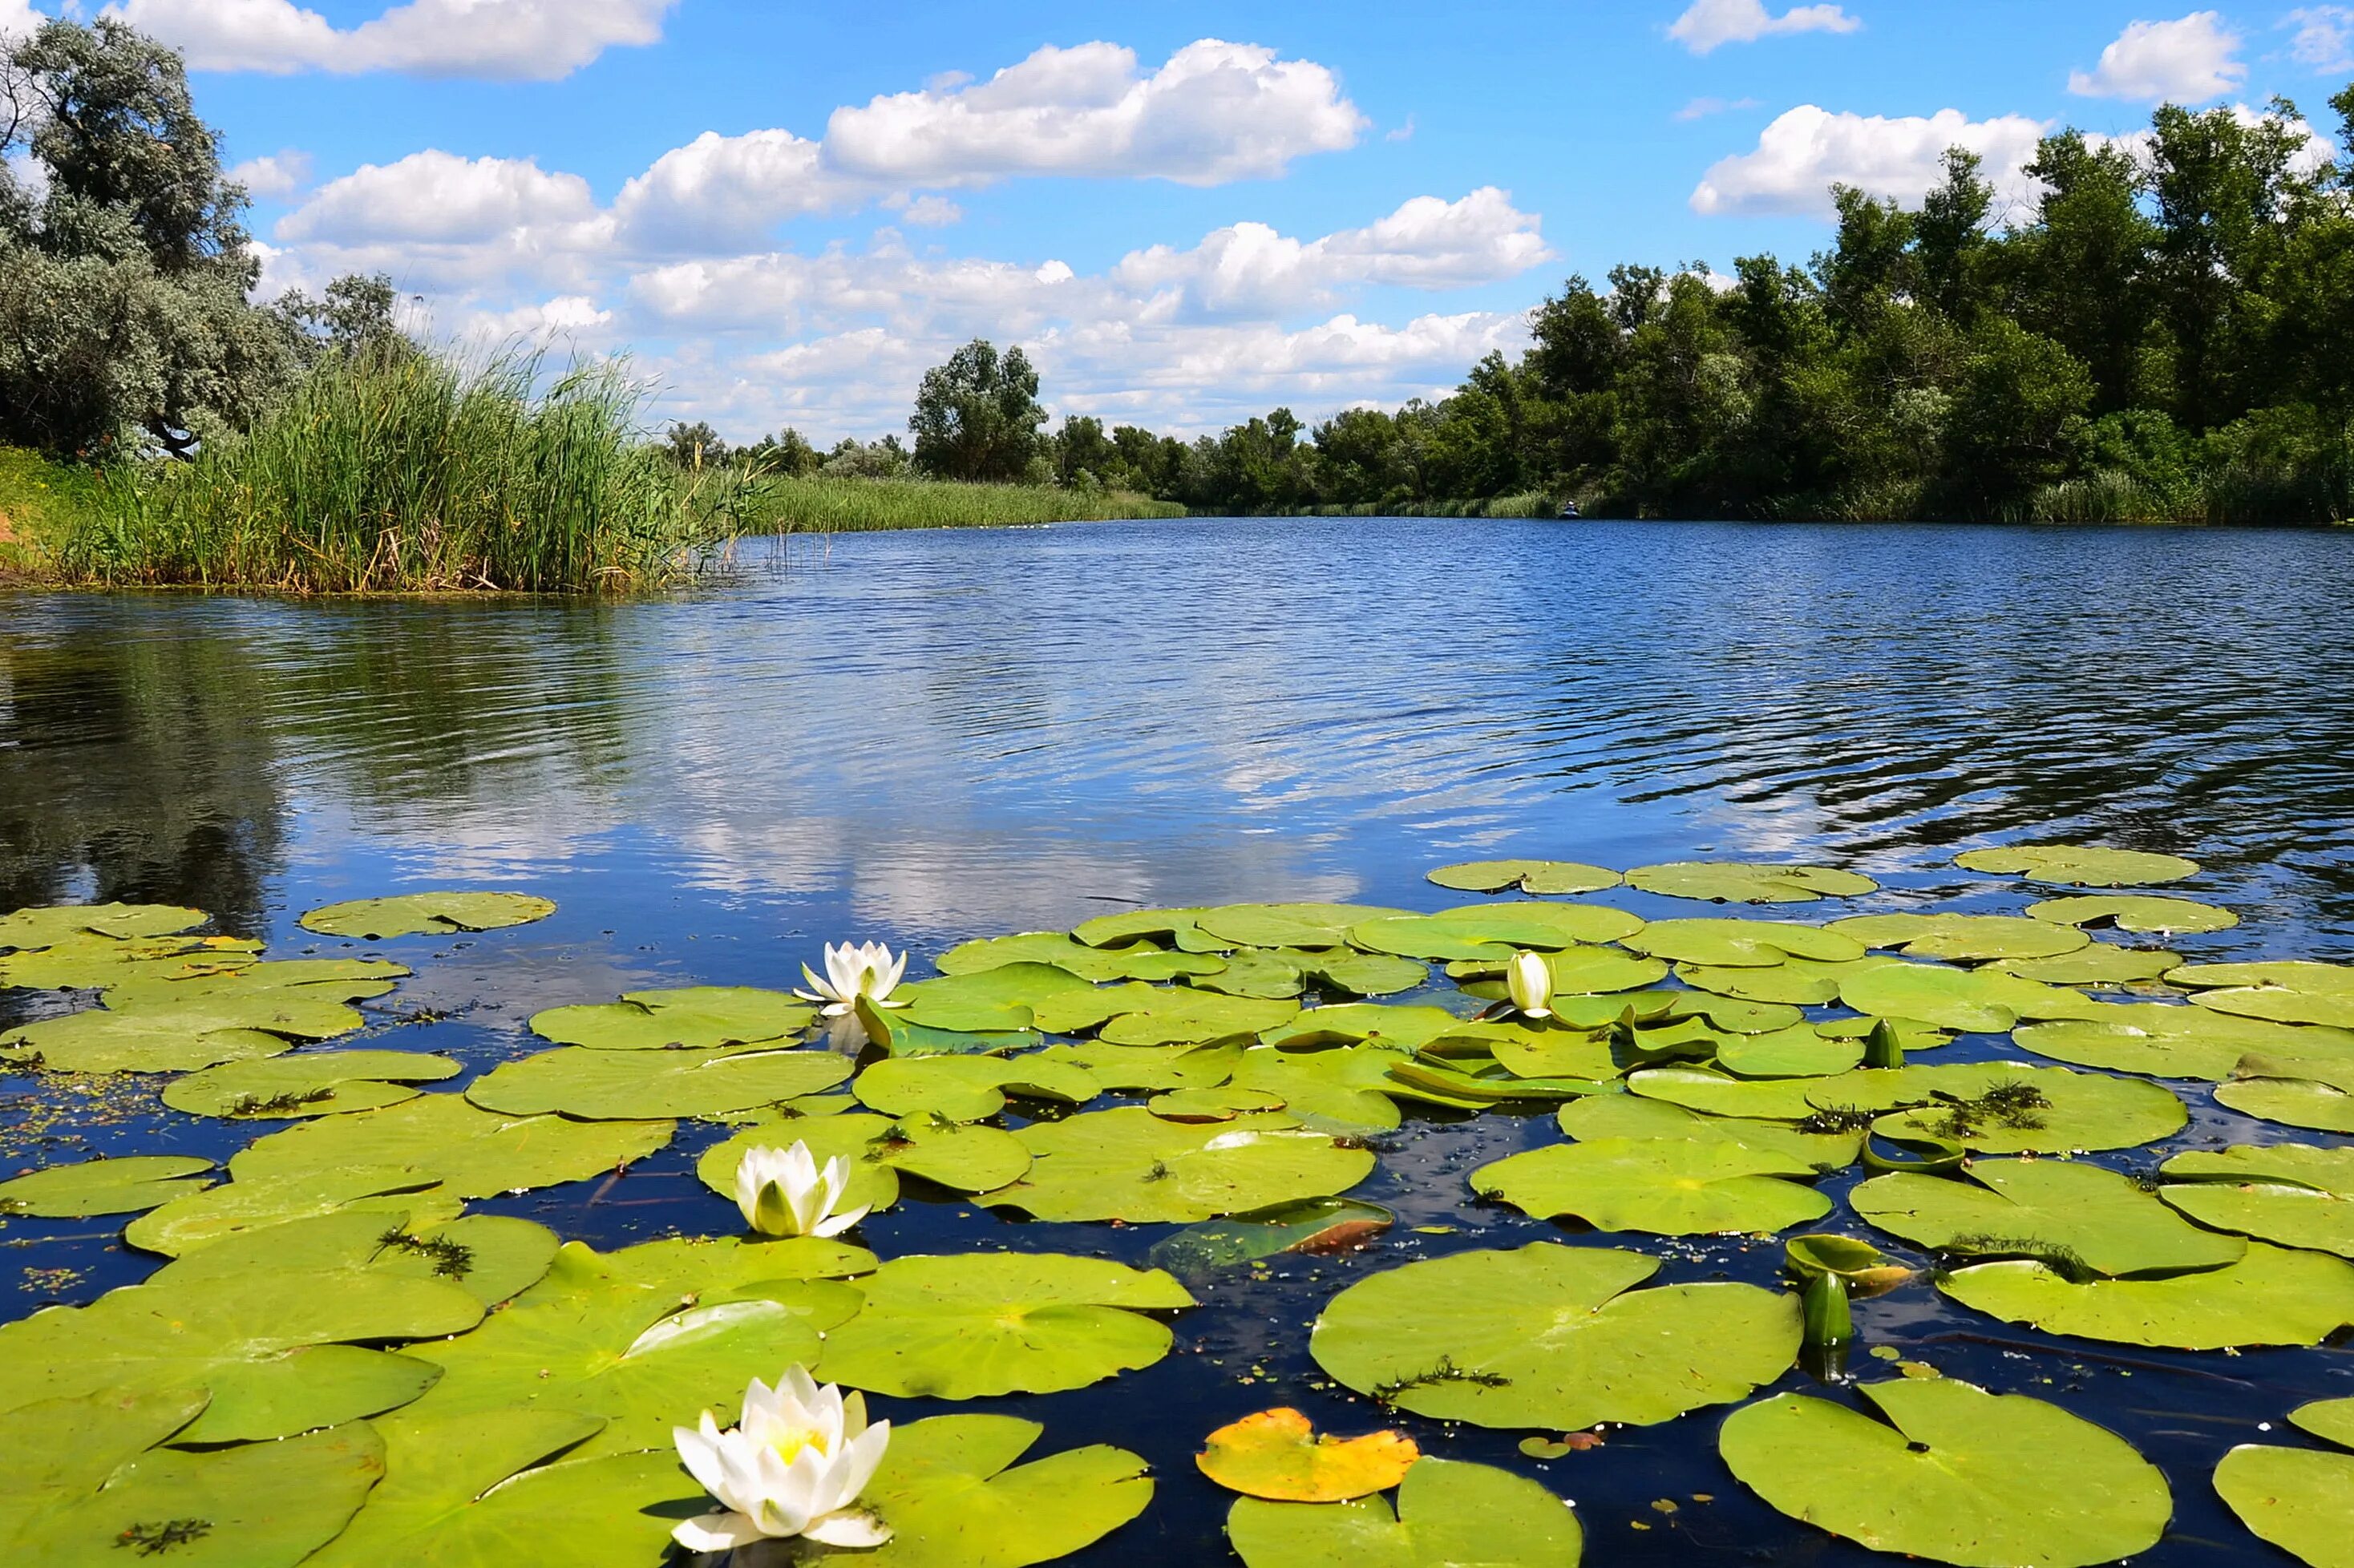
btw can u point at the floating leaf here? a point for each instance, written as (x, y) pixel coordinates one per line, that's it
(2289, 1193)
(2095, 964)
(1954, 1473)
(1965, 938)
(87, 962)
(1134, 960)
(263, 1505)
(1284, 924)
(1447, 1513)
(1145, 1068)
(1268, 973)
(1341, 1090)
(1699, 1089)
(2169, 1041)
(2270, 1297)
(2080, 1217)
(1129, 1164)
(2078, 865)
(203, 1033)
(1211, 1105)
(1312, 1225)
(46, 927)
(1528, 1051)
(310, 1083)
(1276, 1455)
(968, 1088)
(1742, 944)
(476, 1153)
(1002, 997)
(1803, 1052)
(257, 1202)
(318, 1385)
(1162, 1015)
(1737, 882)
(426, 915)
(1551, 1337)
(1631, 1115)
(977, 1325)
(1492, 930)
(638, 1085)
(701, 1017)
(2287, 992)
(1660, 1185)
(1864, 1268)
(2008, 1108)
(2292, 1102)
(853, 1136)
(2329, 1418)
(1169, 927)
(123, 1186)
(2136, 911)
(1801, 982)
(1966, 1001)
(956, 1155)
(2299, 1499)
(1535, 877)
(1405, 1028)
(952, 1501)
(898, 1035)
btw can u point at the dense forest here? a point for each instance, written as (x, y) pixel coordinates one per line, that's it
(2168, 334)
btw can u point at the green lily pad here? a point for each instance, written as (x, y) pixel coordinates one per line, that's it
(1265, 972)
(1180, 1015)
(310, 1083)
(2288, 1193)
(1631, 1115)
(1738, 882)
(638, 1085)
(315, 1386)
(977, 1325)
(854, 1136)
(954, 1498)
(2078, 865)
(956, 1155)
(1349, 1023)
(1001, 997)
(1577, 973)
(1342, 1090)
(263, 1505)
(604, 1337)
(1314, 1225)
(2095, 964)
(1145, 1068)
(2080, 1217)
(899, 1035)
(1965, 1001)
(968, 1088)
(2329, 1418)
(1803, 1052)
(124, 1186)
(1953, 1474)
(46, 927)
(1175, 928)
(2006, 1107)
(1129, 1164)
(1742, 944)
(2292, 1102)
(2136, 911)
(1539, 1053)
(309, 979)
(2169, 1041)
(493, 1257)
(2271, 1296)
(203, 1033)
(701, 1017)
(199, 1218)
(1492, 930)
(2287, 992)
(1534, 877)
(88, 963)
(1133, 961)
(1284, 924)
(2300, 1500)
(426, 915)
(1964, 939)
(1213, 1104)
(1702, 1187)
(1716, 1093)
(61, 1451)
(477, 1153)
(1551, 1337)
(1447, 1513)
(1798, 982)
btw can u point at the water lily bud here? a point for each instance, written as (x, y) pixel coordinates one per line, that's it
(1529, 979)
(1829, 1321)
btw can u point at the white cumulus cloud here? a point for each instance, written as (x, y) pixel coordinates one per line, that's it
(437, 197)
(1215, 111)
(720, 191)
(1802, 153)
(17, 17)
(1710, 24)
(274, 177)
(538, 41)
(2187, 60)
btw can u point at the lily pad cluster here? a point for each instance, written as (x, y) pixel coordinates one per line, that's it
(339, 1320)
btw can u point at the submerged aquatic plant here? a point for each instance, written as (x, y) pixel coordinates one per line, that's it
(1527, 979)
(783, 1192)
(869, 972)
(793, 1465)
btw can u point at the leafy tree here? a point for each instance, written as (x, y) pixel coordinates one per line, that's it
(977, 417)
(787, 452)
(1081, 448)
(693, 446)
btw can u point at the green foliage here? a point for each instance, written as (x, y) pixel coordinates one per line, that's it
(977, 417)
(826, 502)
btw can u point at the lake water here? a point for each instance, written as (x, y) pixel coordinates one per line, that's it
(922, 737)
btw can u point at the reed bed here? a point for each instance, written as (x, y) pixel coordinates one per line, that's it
(822, 503)
(406, 472)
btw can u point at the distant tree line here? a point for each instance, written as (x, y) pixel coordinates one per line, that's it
(2168, 331)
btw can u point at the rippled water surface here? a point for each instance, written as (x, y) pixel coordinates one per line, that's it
(928, 737)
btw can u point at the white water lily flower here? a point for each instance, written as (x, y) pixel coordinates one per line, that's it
(784, 1193)
(793, 1465)
(869, 971)
(1529, 979)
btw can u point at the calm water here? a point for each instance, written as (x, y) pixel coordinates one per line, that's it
(928, 737)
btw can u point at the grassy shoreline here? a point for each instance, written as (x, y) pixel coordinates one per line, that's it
(823, 504)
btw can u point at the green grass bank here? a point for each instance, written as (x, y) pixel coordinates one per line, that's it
(820, 504)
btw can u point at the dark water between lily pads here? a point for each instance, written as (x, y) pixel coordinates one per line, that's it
(924, 737)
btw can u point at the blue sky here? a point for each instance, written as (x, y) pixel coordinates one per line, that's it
(1187, 213)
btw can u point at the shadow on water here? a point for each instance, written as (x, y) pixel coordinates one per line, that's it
(922, 737)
